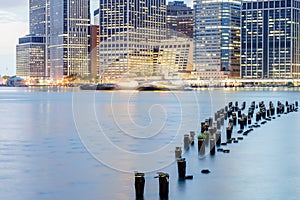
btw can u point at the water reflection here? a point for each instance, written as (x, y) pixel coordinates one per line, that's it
(42, 156)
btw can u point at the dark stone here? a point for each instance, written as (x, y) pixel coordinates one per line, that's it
(223, 143)
(189, 177)
(219, 150)
(226, 150)
(240, 138)
(240, 131)
(205, 171)
(235, 141)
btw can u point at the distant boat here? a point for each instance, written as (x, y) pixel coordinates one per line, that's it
(102, 86)
(162, 87)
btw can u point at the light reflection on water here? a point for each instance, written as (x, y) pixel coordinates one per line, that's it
(42, 157)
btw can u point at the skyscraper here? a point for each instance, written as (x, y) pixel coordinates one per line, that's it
(64, 24)
(69, 37)
(31, 51)
(217, 38)
(180, 18)
(94, 50)
(38, 17)
(270, 39)
(129, 32)
(30, 58)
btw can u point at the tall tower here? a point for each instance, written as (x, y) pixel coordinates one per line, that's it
(69, 37)
(270, 39)
(38, 17)
(129, 32)
(217, 38)
(31, 51)
(180, 18)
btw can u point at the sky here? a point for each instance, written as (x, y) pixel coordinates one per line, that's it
(13, 24)
(14, 15)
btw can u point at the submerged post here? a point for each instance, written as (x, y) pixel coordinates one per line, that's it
(178, 152)
(139, 185)
(163, 185)
(218, 138)
(201, 144)
(212, 146)
(186, 141)
(181, 164)
(228, 133)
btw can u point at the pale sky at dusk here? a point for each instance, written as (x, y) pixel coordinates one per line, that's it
(13, 24)
(14, 16)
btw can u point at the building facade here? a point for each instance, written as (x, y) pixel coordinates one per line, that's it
(30, 57)
(129, 32)
(69, 38)
(217, 38)
(180, 18)
(94, 50)
(31, 51)
(38, 17)
(270, 39)
(64, 26)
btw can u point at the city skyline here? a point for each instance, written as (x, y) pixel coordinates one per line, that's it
(14, 16)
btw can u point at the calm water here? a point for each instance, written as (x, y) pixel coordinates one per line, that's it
(67, 144)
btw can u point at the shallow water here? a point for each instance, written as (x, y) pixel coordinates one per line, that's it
(68, 144)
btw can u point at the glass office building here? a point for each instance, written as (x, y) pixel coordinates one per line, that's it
(30, 57)
(69, 38)
(38, 17)
(270, 39)
(31, 51)
(217, 38)
(129, 32)
(180, 18)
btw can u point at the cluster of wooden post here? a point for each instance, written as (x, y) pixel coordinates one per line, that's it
(211, 136)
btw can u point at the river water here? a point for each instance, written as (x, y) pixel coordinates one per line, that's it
(62, 143)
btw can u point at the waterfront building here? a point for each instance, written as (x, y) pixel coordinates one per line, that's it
(31, 51)
(217, 38)
(270, 39)
(129, 36)
(134, 41)
(30, 57)
(69, 38)
(94, 50)
(180, 18)
(64, 26)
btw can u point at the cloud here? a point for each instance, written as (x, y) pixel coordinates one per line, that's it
(9, 34)
(8, 17)
(14, 11)
(12, 4)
